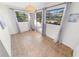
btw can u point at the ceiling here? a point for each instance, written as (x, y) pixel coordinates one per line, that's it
(22, 5)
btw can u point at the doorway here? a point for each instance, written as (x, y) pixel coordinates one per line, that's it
(39, 21)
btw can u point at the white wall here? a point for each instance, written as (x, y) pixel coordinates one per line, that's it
(13, 21)
(23, 26)
(70, 35)
(6, 40)
(6, 14)
(52, 31)
(76, 51)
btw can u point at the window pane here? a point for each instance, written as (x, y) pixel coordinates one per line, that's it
(54, 16)
(39, 17)
(21, 17)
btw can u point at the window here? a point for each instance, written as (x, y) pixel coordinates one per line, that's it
(54, 16)
(39, 17)
(22, 17)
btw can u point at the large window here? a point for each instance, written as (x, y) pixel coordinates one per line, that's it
(54, 16)
(21, 17)
(53, 20)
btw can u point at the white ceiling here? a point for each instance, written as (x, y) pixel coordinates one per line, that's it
(22, 5)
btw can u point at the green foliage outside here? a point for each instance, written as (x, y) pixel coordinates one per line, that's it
(54, 16)
(39, 17)
(21, 17)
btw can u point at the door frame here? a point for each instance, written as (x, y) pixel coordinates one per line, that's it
(36, 18)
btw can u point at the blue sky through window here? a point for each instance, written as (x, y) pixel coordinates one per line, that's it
(58, 10)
